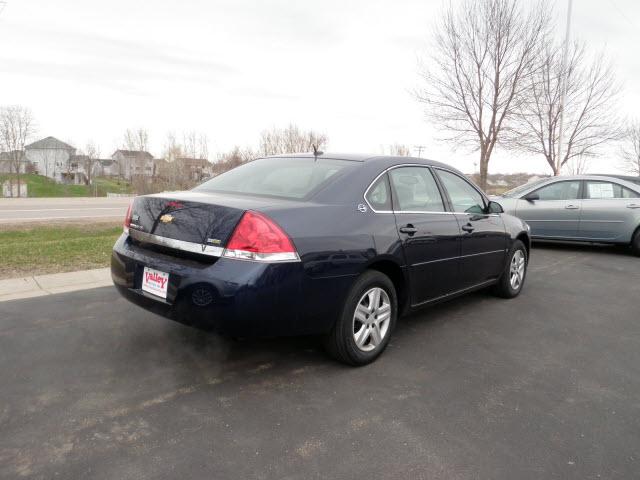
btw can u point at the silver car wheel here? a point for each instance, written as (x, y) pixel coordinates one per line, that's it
(517, 269)
(371, 319)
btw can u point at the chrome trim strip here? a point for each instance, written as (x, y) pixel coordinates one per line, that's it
(473, 287)
(364, 196)
(192, 247)
(283, 257)
(457, 258)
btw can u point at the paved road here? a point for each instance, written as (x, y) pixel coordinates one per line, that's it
(21, 210)
(543, 386)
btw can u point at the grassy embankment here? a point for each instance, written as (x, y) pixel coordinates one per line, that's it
(40, 186)
(31, 250)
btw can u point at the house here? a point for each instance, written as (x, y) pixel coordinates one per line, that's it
(50, 157)
(105, 167)
(196, 168)
(133, 163)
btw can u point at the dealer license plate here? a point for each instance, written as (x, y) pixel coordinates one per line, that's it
(155, 282)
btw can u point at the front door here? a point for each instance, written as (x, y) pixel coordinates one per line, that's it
(556, 214)
(429, 234)
(483, 236)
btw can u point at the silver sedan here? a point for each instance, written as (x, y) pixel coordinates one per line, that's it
(587, 208)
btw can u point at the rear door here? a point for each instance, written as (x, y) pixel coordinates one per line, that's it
(483, 236)
(557, 213)
(429, 234)
(610, 211)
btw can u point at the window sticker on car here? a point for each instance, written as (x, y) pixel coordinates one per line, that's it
(601, 190)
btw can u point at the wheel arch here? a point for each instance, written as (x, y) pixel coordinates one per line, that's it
(397, 276)
(526, 239)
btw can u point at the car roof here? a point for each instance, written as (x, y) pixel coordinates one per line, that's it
(387, 160)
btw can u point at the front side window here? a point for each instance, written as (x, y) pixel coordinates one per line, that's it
(464, 198)
(415, 190)
(379, 196)
(602, 190)
(560, 191)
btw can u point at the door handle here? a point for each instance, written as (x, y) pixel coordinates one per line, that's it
(633, 205)
(408, 229)
(572, 207)
(468, 228)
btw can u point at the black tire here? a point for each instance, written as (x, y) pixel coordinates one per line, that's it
(635, 244)
(340, 342)
(504, 287)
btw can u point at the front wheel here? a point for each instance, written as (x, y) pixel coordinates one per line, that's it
(368, 317)
(512, 279)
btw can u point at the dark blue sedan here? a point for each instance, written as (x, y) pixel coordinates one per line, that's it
(336, 245)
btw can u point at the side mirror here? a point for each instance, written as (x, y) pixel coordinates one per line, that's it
(532, 197)
(495, 207)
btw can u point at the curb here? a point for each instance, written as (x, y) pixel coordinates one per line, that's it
(41, 285)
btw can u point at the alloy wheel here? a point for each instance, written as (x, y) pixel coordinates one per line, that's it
(371, 319)
(517, 269)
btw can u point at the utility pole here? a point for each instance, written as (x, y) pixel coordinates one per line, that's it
(565, 76)
(419, 148)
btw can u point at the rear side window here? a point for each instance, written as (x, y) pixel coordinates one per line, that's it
(379, 196)
(415, 190)
(560, 191)
(602, 190)
(288, 177)
(464, 198)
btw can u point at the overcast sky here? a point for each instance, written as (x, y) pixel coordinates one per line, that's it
(232, 68)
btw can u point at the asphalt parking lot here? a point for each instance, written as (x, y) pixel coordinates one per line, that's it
(543, 386)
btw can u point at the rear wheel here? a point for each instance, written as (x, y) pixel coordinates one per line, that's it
(515, 272)
(635, 244)
(369, 314)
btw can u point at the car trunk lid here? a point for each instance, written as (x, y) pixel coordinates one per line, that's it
(192, 219)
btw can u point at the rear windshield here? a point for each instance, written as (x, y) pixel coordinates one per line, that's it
(290, 177)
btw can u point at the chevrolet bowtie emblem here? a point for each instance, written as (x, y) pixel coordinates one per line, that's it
(166, 218)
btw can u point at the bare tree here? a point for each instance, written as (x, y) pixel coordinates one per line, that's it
(484, 51)
(195, 145)
(577, 165)
(16, 127)
(397, 149)
(235, 157)
(135, 139)
(589, 108)
(290, 140)
(631, 148)
(92, 152)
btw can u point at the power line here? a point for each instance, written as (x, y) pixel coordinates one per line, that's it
(419, 148)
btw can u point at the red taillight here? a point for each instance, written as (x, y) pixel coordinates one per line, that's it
(127, 218)
(257, 237)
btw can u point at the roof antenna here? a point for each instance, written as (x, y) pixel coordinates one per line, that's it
(316, 152)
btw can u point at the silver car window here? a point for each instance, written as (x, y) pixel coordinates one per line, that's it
(567, 190)
(603, 190)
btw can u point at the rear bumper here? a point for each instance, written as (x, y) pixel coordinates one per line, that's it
(230, 296)
(234, 297)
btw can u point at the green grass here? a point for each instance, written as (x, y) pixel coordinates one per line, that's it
(32, 250)
(40, 186)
